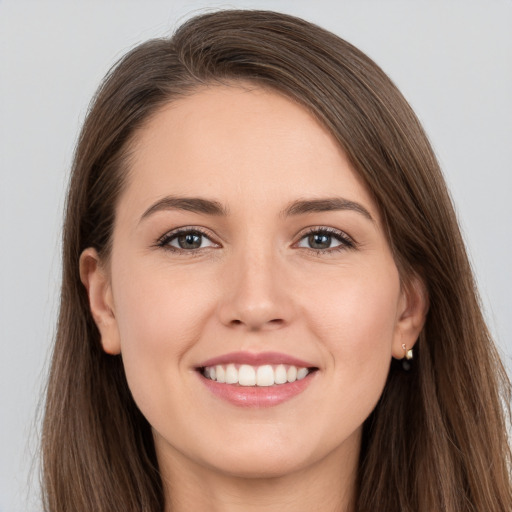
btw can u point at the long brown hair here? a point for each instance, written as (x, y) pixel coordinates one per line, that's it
(437, 440)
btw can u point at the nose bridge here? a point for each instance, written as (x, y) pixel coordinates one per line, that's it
(255, 294)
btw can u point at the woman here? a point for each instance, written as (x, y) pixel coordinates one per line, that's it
(266, 301)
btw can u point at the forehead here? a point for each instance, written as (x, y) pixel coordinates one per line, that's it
(239, 143)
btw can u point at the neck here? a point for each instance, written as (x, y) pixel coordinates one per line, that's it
(328, 485)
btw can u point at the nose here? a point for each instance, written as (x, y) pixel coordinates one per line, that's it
(256, 295)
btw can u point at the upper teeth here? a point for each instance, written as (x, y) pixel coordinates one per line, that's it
(246, 375)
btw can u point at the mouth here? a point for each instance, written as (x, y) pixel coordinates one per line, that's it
(256, 380)
(262, 375)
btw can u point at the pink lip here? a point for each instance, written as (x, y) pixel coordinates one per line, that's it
(257, 397)
(256, 359)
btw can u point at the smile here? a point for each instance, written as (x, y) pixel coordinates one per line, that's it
(247, 375)
(256, 380)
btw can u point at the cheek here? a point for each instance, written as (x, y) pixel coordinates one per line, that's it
(356, 321)
(159, 309)
(356, 311)
(159, 320)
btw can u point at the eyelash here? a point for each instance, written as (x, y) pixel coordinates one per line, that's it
(346, 242)
(166, 239)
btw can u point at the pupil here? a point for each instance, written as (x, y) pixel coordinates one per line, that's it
(319, 241)
(190, 241)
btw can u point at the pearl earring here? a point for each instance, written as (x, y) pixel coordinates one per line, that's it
(406, 361)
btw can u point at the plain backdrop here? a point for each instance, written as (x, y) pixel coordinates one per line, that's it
(451, 59)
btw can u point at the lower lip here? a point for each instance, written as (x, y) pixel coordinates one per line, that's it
(257, 396)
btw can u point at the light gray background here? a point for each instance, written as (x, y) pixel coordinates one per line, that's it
(451, 59)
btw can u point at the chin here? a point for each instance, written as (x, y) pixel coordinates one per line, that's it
(261, 466)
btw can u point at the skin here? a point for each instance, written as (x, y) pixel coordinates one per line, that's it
(254, 285)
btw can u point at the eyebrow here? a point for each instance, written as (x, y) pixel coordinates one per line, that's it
(295, 208)
(300, 207)
(190, 204)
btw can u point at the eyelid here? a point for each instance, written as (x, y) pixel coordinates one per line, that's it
(164, 240)
(347, 242)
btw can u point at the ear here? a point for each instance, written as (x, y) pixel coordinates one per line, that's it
(412, 313)
(96, 280)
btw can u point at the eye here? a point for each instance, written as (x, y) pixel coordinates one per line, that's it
(326, 239)
(186, 240)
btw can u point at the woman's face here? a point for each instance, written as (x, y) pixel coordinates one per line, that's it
(245, 242)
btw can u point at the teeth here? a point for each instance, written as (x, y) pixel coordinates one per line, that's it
(247, 375)
(301, 373)
(291, 374)
(231, 374)
(220, 373)
(280, 375)
(265, 375)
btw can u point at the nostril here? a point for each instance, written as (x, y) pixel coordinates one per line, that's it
(276, 322)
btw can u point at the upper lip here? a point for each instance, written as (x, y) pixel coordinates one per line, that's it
(256, 359)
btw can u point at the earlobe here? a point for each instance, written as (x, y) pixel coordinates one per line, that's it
(96, 280)
(412, 314)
